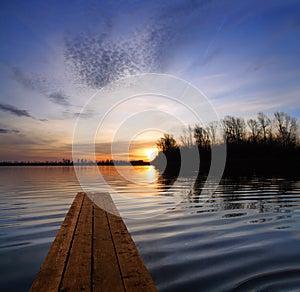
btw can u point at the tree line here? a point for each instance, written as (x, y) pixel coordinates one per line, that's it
(258, 143)
(281, 130)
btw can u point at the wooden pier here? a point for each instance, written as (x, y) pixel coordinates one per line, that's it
(93, 251)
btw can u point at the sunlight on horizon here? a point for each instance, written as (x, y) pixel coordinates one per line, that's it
(151, 153)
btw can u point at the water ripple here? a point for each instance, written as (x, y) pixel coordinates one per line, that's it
(244, 237)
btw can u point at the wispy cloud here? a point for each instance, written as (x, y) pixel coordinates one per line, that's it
(42, 85)
(211, 56)
(59, 98)
(8, 131)
(32, 146)
(263, 62)
(17, 112)
(85, 115)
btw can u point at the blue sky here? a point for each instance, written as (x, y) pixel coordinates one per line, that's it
(54, 55)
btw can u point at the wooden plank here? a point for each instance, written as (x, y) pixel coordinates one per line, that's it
(133, 270)
(93, 251)
(106, 272)
(77, 276)
(49, 276)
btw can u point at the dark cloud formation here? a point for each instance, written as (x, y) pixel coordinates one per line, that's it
(59, 98)
(7, 131)
(15, 111)
(97, 60)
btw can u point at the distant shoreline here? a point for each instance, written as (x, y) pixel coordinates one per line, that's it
(70, 163)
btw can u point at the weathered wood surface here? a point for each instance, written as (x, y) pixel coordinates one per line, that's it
(93, 251)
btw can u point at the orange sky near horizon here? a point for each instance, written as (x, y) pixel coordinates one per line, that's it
(145, 154)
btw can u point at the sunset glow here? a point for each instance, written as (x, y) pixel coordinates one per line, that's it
(53, 64)
(151, 153)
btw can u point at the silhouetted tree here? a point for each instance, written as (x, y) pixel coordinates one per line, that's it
(254, 130)
(263, 147)
(166, 143)
(286, 128)
(212, 131)
(186, 138)
(234, 129)
(201, 136)
(265, 127)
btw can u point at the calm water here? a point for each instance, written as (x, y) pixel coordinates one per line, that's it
(245, 236)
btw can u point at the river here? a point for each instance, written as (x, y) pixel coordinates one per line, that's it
(244, 236)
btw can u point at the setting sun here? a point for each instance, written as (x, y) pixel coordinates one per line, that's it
(151, 153)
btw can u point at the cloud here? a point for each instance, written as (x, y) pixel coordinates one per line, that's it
(85, 115)
(264, 62)
(32, 146)
(59, 98)
(42, 85)
(18, 112)
(15, 111)
(7, 131)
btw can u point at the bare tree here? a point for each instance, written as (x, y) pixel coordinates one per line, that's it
(254, 130)
(234, 129)
(186, 138)
(286, 128)
(212, 131)
(201, 136)
(265, 126)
